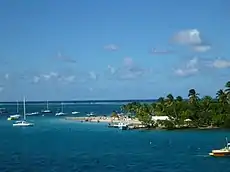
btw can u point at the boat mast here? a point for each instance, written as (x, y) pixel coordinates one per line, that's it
(47, 105)
(62, 107)
(24, 108)
(17, 107)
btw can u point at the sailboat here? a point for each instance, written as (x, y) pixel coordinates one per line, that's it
(15, 116)
(47, 108)
(60, 113)
(23, 123)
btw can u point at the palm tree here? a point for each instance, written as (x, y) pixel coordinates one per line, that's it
(221, 96)
(206, 101)
(205, 113)
(161, 100)
(227, 91)
(159, 108)
(193, 96)
(179, 99)
(227, 85)
(170, 98)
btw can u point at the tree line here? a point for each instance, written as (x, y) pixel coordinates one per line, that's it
(195, 111)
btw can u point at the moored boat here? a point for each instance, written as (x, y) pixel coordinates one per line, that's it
(75, 112)
(62, 111)
(14, 117)
(221, 152)
(122, 126)
(23, 123)
(47, 110)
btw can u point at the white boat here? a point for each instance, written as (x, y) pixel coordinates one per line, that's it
(74, 113)
(46, 111)
(23, 123)
(15, 116)
(3, 110)
(122, 126)
(222, 152)
(91, 114)
(47, 108)
(60, 113)
(17, 112)
(33, 113)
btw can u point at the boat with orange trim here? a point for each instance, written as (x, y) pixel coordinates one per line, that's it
(221, 152)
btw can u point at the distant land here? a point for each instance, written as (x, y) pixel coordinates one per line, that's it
(88, 101)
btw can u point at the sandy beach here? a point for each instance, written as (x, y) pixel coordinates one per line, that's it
(105, 119)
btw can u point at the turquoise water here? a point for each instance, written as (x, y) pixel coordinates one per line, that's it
(57, 145)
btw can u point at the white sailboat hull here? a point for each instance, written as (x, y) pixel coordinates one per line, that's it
(60, 114)
(46, 111)
(74, 113)
(23, 124)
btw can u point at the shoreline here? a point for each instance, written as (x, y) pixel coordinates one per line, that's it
(134, 124)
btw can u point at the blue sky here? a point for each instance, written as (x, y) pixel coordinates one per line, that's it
(79, 50)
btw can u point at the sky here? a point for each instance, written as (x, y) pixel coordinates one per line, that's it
(102, 50)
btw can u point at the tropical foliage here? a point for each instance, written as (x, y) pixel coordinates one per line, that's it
(192, 112)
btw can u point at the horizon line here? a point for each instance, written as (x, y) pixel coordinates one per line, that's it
(82, 101)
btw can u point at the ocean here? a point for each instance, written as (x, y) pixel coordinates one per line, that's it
(57, 145)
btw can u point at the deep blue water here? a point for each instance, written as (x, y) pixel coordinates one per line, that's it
(57, 145)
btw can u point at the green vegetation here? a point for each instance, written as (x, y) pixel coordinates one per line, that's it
(194, 112)
(114, 114)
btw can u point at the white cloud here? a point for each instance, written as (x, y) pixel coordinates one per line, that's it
(128, 70)
(70, 78)
(54, 74)
(46, 77)
(36, 79)
(49, 75)
(111, 47)
(65, 58)
(111, 69)
(201, 48)
(220, 63)
(188, 37)
(93, 75)
(67, 79)
(186, 72)
(128, 61)
(192, 38)
(189, 69)
(192, 63)
(155, 51)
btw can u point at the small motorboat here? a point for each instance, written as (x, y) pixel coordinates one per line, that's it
(14, 117)
(46, 111)
(32, 113)
(75, 112)
(91, 114)
(122, 126)
(221, 152)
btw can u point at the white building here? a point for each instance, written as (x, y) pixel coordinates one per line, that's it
(160, 118)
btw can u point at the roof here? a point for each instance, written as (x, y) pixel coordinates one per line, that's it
(160, 118)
